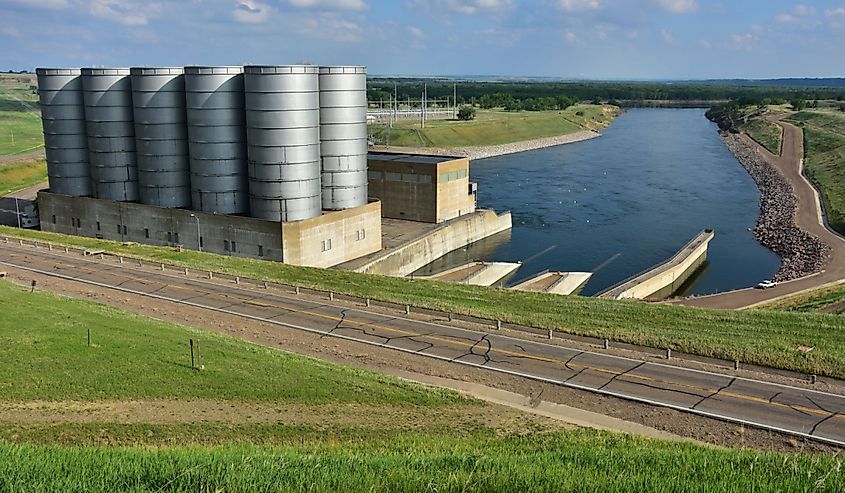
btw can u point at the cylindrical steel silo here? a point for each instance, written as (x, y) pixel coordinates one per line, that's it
(111, 134)
(343, 136)
(283, 141)
(65, 141)
(161, 136)
(217, 139)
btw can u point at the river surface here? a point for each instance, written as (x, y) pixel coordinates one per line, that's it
(621, 203)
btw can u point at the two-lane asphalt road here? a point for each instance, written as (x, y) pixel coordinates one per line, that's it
(783, 408)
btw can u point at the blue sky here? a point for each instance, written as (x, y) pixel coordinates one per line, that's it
(593, 39)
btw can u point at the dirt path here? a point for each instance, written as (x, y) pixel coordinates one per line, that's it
(27, 156)
(808, 217)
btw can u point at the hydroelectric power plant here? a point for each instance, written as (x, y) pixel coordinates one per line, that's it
(262, 161)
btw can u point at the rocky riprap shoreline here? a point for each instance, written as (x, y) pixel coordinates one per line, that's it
(801, 253)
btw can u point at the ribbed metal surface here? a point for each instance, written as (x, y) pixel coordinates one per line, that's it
(343, 136)
(283, 141)
(161, 136)
(217, 139)
(65, 141)
(107, 93)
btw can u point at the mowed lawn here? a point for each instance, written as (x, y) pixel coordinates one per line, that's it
(20, 120)
(824, 137)
(45, 357)
(761, 337)
(494, 127)
(20, 175)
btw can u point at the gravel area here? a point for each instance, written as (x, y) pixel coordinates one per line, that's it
(801, 253)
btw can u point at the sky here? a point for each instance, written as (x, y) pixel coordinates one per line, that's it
(570, 39)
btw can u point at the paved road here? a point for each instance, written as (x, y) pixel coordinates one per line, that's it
(807, 217)
(797, 411)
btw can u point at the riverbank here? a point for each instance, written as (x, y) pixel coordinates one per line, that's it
(801, 253)
(481, 152)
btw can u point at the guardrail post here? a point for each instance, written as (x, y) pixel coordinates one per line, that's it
(101, 258)
(237, 280)
(813, 379)
(550, 334)
(66, 250)
(119, 260)
(265, 284)
(498, 325)
(450, 316)
(367, 302)
(669, 353)
(21, 242)
(210, 275)
(50, 246)
(407, 310)
(606, 344)
(296, 289)
(736, 364)
(331, 295)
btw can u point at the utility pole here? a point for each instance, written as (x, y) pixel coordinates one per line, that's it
(455, 101)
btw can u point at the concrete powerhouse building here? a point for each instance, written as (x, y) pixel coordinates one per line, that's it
(262, 161)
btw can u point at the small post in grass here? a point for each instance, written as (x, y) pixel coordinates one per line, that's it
(89, 337)
(32, 286)
(200, 366)
(191, 342)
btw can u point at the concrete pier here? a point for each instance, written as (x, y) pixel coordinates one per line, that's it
(662, 280)
(555, 282)
(476, 273)
(414, 253)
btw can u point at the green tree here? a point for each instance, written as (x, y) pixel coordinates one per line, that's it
(798, 104)
(466, 113)
(842, 107)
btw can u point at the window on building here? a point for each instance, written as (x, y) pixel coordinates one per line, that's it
(169, 237)
(146, 232)
(327, 245)
(124, 229)
(374, 175)
(260, 250)
(54, 219)
(176, 235)
(234, 247)
(98, 225)
(226, 245)
(360, 234)
(201, 242)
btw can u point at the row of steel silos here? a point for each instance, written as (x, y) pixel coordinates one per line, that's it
(276, 142)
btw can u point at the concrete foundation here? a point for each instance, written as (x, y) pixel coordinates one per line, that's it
(664, 279)
(449, 236)
(323, 241)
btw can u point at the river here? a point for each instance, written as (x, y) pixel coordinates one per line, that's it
(624, 202)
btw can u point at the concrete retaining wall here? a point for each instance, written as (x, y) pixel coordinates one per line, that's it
(448, 237)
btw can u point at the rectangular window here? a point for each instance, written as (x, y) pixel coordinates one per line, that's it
(327, 245)
(98, 225)
(54, 219)
(226, 245)
(234, 247)
(169, 237)
(393, 176)
(124, 229)
(374, 175)
(118, 229)
(260, 251)
(360, 234)
(176, 236)
(146, 232)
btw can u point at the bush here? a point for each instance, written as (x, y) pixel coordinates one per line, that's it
(466, 113)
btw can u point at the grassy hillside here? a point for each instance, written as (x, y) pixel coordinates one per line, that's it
(824, 137)
(20, 120)
(441, 442)
(16, 176)
(493, 127)
(766, 133)
(760, 337)
(825, 300)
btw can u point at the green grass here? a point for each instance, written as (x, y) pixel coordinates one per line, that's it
(494, 127)
(583, 461)
(829, 300)
(44, 355)
(17, 176)
(766, 133)
(824, 137)
(761, 337)
(20, 127)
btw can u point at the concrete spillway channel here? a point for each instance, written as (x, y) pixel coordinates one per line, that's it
(555, 282)
(476, 273)
(664, 279)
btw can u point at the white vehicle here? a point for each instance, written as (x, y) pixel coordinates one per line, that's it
(766, 284)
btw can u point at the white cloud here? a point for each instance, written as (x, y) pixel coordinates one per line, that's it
(679, 6)
(416, 32)
(798, 11)
(40, 4)
(252, 12)
(667, 36)
(835, 12)
(579, 5)
(570, 37)
(330, 4)
(128, 13)
(785, 18)
(705, 44)
(468, 7)
(804, 10)
(742, 41)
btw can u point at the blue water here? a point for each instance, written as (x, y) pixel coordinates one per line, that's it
(624, 202)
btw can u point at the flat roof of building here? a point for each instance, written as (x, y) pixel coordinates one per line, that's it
(411, 158)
